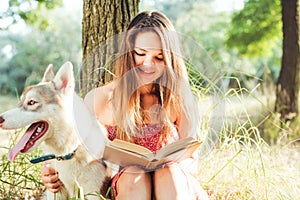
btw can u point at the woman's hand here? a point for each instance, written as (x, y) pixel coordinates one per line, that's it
(50, 178)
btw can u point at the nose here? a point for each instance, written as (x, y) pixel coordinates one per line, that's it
(1, 120)
(148, 61)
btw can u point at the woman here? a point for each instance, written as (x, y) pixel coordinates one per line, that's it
(149, 103)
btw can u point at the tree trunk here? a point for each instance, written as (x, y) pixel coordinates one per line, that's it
(287, 90)
(102, 20)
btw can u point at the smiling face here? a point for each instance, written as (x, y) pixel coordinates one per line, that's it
(148, 57)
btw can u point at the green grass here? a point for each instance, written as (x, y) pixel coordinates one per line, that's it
(235, 171)
(7, 102)
(19, 179)
(242, 164)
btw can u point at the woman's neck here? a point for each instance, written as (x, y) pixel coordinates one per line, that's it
(148, 96)
(146, 89)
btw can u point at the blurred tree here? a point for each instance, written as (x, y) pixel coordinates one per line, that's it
(24, 56)
(44, 39)
(255, 29)
(287, 91)
(102, 20)
(255, 32)
(207, 26)
(30, 11)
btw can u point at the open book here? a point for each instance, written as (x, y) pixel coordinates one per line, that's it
(125, 153)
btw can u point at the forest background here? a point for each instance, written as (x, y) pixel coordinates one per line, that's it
(255, 153)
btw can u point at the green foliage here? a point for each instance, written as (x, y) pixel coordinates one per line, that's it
(173, 8)
(30, 11)
(26, 55)
(19, 179)
(255, 33)
(208, 28)
(256, 29)
(197, 20)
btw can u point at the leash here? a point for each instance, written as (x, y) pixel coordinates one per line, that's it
(52, 156)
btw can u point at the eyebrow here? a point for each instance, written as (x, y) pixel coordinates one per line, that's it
(139, 48)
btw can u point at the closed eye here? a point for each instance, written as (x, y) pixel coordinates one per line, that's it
(139, 54)
(159, 58)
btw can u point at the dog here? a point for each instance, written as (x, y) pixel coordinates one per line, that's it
(59, 121)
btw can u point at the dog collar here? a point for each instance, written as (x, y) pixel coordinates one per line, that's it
(52, 156)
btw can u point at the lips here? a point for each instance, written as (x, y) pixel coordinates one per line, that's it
(31, 135)
(145, 71)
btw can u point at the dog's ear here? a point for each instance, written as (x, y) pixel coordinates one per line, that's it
(64, 79)
(48, 75)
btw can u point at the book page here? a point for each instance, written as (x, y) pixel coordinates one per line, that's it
(131, 147)
(176, 156)
(124, 153)
(176, 146)
(123, 157)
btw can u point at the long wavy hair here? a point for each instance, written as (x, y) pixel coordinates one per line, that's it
(172, 88)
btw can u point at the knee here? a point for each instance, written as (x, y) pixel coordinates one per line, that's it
(134, 175)
(134, 179)
(169, 174)
(170, 178)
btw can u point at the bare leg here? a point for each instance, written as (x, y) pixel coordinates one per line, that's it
(134, 183)
(172, 183)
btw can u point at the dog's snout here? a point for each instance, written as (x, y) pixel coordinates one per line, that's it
(1, 120)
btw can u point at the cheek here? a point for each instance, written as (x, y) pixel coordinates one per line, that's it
(138, 60)
(160, 70)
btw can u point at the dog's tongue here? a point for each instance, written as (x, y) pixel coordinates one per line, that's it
(20, 145)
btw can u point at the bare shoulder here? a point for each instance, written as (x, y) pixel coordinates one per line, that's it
(99, 97)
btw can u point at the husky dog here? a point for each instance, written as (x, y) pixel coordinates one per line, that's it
(57, 118)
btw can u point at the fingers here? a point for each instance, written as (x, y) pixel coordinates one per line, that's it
(54, 187)
(47, 170)
(50, 178)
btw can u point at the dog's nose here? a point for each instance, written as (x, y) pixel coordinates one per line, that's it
(1, 120)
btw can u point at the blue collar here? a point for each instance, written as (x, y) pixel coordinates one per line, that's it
(52, 156)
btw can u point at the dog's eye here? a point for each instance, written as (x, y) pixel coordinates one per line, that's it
(31, 102)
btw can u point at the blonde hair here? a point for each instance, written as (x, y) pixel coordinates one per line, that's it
(172, 88)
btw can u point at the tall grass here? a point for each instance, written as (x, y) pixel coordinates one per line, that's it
(238, 162)
(236, 171)
(19, 179)
(242, 164)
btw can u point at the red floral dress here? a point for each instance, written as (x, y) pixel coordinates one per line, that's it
(150, 139)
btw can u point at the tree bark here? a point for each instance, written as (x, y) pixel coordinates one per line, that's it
(287, 90)
(102, 20)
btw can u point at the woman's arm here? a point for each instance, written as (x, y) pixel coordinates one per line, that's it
(97, 101)
(183, 126)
